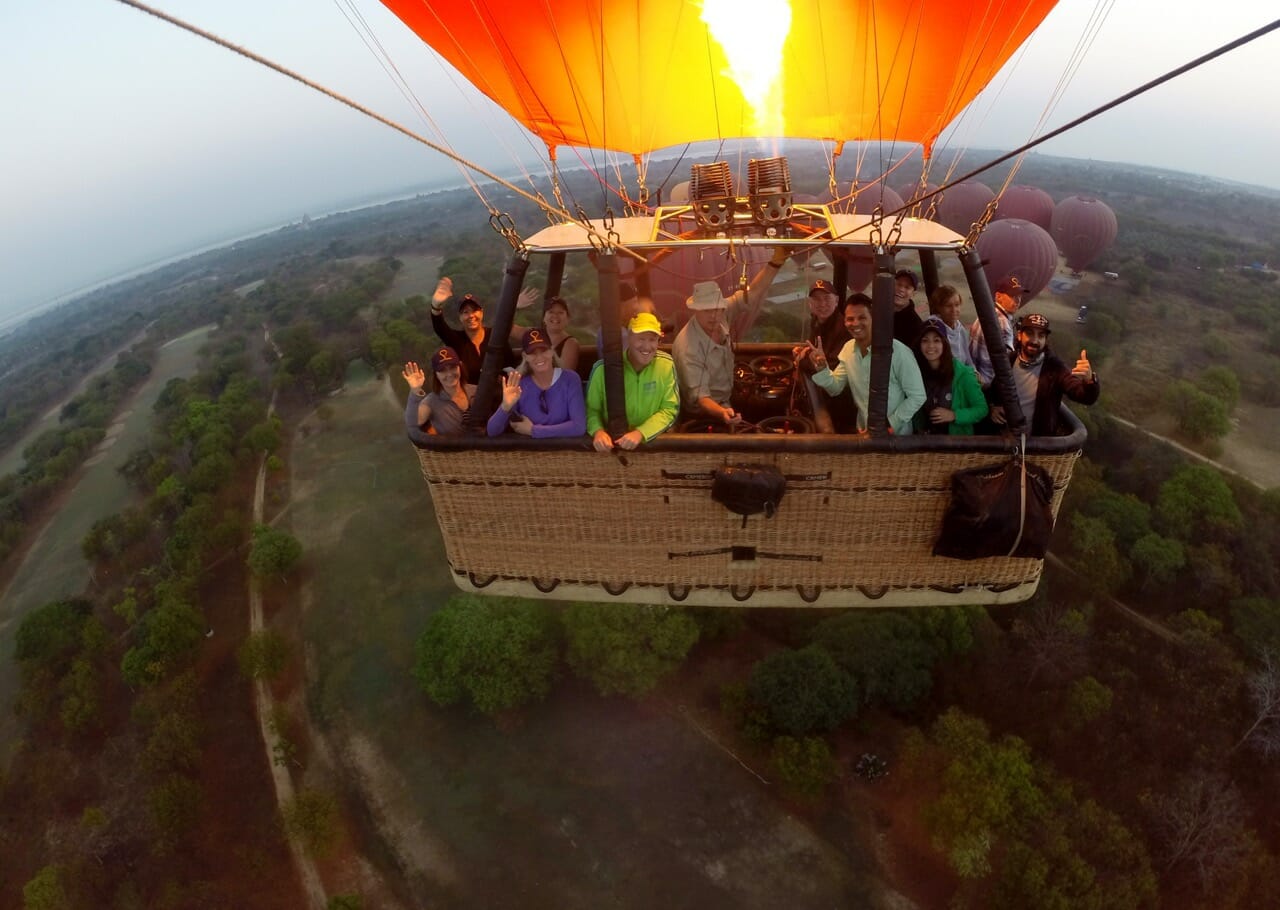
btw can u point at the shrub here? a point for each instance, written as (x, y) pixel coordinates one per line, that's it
(805, 765)
(626, 649)
(803, 692)
(497, 653)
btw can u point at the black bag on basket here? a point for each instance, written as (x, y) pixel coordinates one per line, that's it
(1001, 510)
(749, 490)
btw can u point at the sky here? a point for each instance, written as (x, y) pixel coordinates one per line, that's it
(128, 141)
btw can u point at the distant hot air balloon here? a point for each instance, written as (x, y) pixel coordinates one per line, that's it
(1083, 227)
(876, 194)
(679, 194)
(1029, 203)
(1013, 246)
(671, 278)
(909, 191)
(961, 205)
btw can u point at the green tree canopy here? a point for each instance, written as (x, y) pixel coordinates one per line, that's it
(626, 649)
(497, 653)
(273, 552)
(887, 653)
(1158, 559)
(803, 692)
(1196, 502)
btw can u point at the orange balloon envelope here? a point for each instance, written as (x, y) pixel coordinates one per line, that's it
(635, 76)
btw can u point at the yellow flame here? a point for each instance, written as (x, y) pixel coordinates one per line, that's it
(752, 36)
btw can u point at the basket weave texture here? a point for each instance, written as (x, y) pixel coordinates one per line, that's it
(855, 520)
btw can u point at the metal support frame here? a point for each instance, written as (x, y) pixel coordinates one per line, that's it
(555, 275)
(840, 277)
(1003, 388)
(929, 271)
(488, 390)
(611, 343)
(881, 344)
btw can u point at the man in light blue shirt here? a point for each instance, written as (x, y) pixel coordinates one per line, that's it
(906, 387)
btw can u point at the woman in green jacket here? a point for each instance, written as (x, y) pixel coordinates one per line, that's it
(953, 399)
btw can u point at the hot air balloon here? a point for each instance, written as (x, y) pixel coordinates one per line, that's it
(861, 514)
(962, 204)
(1013, 246)
(876, 195)
(1083, 227)
(588, 72)
(1029, 203)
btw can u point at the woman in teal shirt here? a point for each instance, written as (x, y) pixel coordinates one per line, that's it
(953, 399)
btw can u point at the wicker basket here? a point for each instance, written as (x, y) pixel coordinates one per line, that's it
(855, 528)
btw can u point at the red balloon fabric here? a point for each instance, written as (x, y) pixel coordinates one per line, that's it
(1083, 227)
(961, 205)
(1030, 203)
(1013, 246)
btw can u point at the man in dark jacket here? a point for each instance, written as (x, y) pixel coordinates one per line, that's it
(906, 320)
(1042, 379)
(472, 341)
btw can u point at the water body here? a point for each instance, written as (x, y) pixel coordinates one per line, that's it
(54, 568)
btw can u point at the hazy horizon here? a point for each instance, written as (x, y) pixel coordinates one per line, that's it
(138, 143)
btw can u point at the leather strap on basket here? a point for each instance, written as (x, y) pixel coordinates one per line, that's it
(1020, 456)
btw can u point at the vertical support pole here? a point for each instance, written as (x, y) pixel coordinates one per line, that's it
(840, 275)
(644, 287)
(555, 275)
(611, 343)
(488, 390)
(881, 344)
(1002, 386)
(929, 271)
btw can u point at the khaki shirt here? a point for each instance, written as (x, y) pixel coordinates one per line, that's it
(704, 368)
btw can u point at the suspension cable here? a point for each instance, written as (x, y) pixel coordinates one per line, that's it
(583, 223)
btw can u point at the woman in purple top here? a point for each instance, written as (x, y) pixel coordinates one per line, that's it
(547, 401)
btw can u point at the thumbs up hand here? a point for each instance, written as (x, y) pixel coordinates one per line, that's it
(1082, 367)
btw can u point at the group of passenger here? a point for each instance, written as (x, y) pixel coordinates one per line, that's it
(939, 377)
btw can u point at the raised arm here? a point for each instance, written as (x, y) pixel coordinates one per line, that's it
(743, 308)
(416, 409)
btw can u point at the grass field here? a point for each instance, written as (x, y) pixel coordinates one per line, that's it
(54, 567)
(583, 802)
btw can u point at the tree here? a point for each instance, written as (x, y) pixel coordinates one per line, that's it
(1157, 559)
(497, 653)
(45, 890)
(1053, 641)
(804, 765)
(886, 653)
(1263, 687)
(626, 649)
(273, 552)
(1200, 825)
(803, 692)
(1200, 416)
(166, 636)
(1256, 622)
(311, 819)
(986, 787)
(263, 655)
(1196, 502)
(1221, 382)
(1087, 700)
(1095, 556)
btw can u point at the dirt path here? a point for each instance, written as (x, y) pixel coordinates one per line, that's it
(11, 459)
(1186, 451)
(1158, 629)
(265, 705)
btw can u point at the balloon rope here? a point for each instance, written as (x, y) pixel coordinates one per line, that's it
(356, 106)
(1127, 96)
(1084, 118)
